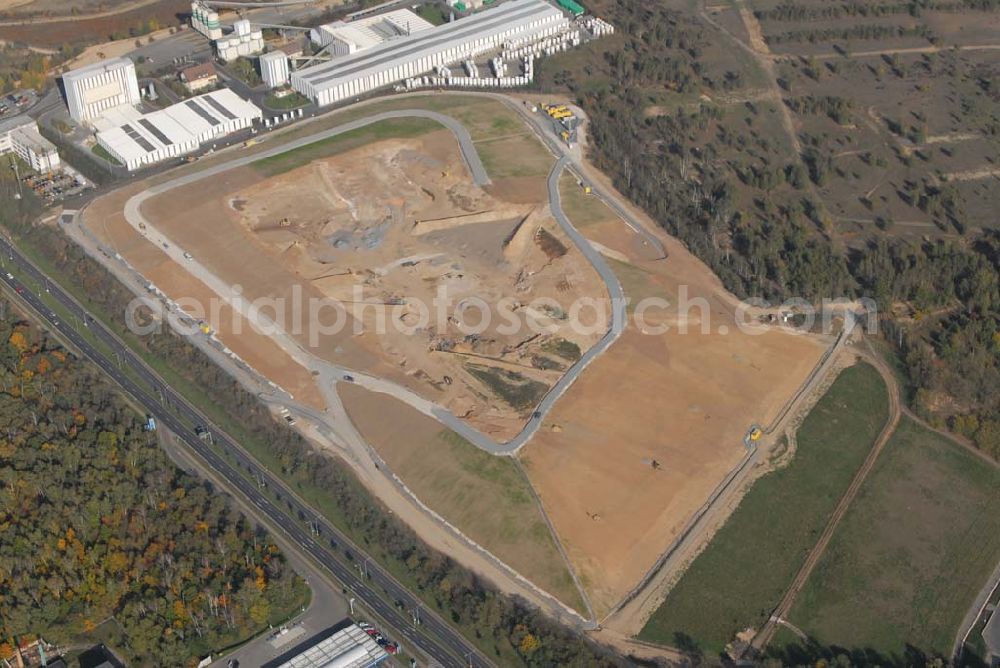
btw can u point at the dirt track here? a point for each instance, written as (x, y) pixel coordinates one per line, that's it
(765, 634)
(593, 461)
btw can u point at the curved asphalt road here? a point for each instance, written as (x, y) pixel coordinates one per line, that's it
(282, 506)
(333, 372)
(617, 296)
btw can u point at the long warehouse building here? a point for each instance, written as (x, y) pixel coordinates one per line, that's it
(137, 140)
(398, 59)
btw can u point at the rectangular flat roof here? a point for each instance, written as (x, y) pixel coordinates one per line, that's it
(95, 68)
(181, 123)
(27, 135)
(14, 122)
(426, 42)
(372, 30)
(341, 646)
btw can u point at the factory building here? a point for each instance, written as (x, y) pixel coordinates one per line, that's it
(411, 55)
(136, 140)
(93, 90)
(274, 68)
(341, 646)
(205, 20)
(245, 40)
(343, 38)
(19, 135)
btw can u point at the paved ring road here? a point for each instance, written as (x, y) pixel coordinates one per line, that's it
(472, 160)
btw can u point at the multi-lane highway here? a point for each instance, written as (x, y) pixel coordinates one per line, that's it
(434, 637)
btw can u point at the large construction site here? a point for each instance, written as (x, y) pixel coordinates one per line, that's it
(387, 221)
(386, 229)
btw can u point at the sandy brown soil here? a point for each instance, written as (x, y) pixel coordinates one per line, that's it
(639, 441)
(683, 401)
(384, 228)
(104, 217)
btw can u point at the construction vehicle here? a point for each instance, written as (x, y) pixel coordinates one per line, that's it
(249, 142)
(586, 187)
(755, 433)
(560, 115)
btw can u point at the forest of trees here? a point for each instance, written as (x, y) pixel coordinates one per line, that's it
(680, 167)
(96, 523)
(506, 628)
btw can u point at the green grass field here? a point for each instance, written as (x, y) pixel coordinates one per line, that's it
(746, 568)
(582, 209)
(911, 554)
(487, 497)
(103, 154)
(297, 157)
(289, 101)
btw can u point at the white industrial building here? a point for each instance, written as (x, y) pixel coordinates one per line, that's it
(93, 90)
(245, 40)
(344, 38)
(274, 68)
(407, 56)
(137, 139)
(19, 135)
(349, 647)
(205, 20)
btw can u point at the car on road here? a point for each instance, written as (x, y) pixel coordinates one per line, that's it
(10, 276)
(349, 378)
(188, 256)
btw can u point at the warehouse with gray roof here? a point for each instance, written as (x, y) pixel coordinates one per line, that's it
(345, 645)
(406, 56)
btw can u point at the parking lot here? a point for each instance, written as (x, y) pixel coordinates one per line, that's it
(16, 102)
(55, 186)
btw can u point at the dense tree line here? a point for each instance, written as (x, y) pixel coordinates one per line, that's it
(752, 220)
(795, 11)
(507, 628)
(869, 31)
(838, 109)
(97, 523)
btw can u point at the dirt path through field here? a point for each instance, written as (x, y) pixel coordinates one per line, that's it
(889, 52)
(760, 52)
(120, 9)
(764, 636)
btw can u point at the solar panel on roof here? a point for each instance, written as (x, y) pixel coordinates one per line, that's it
(138, 138)
(218, 107)
(201, 111)
(155, 131)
